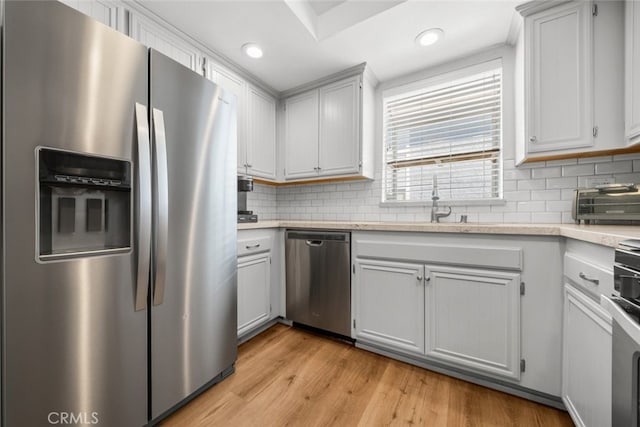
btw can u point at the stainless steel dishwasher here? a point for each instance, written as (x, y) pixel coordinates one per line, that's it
(319, 280)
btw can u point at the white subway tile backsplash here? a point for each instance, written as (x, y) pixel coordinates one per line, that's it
(546, 195)
(622, 166)
(532, 184)
(507, 207)
(631, 156)
(567, 182)
(558, 205)
(537, 206)
(633, 178)
(534, 192)
(562, 162)
(516, 174)
(592, 181)
(577, 170)
(546, 217)
(490, 217)
(510, 185)
(517, 195)
(566, 218)
(517, 217)
(546, 172)
(595, 159)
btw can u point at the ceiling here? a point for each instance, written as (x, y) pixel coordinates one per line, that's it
(304, 40)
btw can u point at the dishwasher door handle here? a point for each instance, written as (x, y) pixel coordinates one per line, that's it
(315, 243)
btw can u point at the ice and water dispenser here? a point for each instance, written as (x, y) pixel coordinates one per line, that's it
(84, 204)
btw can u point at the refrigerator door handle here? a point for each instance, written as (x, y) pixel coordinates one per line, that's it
(161, 187)
(144, 208)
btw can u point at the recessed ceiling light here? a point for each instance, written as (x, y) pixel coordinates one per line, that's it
(252, 50)
(429, 37)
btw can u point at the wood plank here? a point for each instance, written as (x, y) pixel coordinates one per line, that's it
(288, 376)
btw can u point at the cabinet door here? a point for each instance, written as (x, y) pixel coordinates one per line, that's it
(558, 56)
(156, 37)
(101, 11)
(339, 149)
(237, 86)
(301, 136)
(632, 70)
(261, 141)
(254, 291)
(389, 304)
(473, 319)
(586, 360)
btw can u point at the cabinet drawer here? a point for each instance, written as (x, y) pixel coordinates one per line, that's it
(254, 246)
(591, 278)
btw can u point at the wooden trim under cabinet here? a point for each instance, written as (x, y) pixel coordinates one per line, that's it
(627, 150)
(312, 181)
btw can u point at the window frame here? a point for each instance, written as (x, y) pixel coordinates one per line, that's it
(432, 83)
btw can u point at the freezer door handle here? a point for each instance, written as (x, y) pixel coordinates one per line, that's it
(144, 208)
(161, 190)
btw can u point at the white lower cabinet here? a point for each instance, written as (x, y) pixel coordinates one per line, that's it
(260, 279)
(460, 316)
(390, 303)
(254, 291)
(481, 307)
(473, 318)
(586, 370)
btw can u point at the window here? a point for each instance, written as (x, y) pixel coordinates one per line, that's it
(449, 127)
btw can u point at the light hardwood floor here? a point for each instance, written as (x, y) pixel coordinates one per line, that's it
(291, 377)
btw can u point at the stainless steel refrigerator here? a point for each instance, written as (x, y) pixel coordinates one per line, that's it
(118, 224)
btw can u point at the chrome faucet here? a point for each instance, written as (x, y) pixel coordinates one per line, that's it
(435, 213)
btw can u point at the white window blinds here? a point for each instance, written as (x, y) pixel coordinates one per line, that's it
(452, 129)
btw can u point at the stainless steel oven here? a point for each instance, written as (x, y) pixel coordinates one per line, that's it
(626, 336)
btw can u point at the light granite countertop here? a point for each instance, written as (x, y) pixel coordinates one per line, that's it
(607, 235)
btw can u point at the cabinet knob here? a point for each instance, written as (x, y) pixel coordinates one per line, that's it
(533, 139)
(249, 166)
(419, 278)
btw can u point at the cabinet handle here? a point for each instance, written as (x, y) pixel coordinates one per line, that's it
(256, 246)
(419, 278)
(533, 139)
(589, 279)
(249, 166)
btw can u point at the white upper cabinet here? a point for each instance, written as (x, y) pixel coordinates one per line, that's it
(339, 152)
(328, 130)
(256, 123)
(109, 13)
(301, 135)
(632, 70)
(164, 41)
(559, 84)
(573, 79)
(261, 134)
(237, 86)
